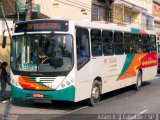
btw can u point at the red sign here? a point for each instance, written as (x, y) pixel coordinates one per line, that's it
(37, 95)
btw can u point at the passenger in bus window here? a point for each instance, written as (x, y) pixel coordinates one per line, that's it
(81, 57)
(138, 49)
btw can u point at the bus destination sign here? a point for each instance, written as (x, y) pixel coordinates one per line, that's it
(44, 25)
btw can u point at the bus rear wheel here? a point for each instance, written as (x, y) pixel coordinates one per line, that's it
(139, 81)
(95, 93)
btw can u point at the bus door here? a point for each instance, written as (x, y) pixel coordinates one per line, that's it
(83, 76)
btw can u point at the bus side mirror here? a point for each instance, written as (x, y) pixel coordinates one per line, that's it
(4, 41)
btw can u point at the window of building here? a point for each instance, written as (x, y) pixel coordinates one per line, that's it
(108, 46)
(96, 42)
(118, 40)
(147, 22)
(143, 21)
(127, 15)
(97, 12)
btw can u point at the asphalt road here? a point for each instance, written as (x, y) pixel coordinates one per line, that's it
(113, 105)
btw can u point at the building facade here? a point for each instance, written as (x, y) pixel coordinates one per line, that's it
(156, 14)
(133, 12)
(65, 9)
(92, 10)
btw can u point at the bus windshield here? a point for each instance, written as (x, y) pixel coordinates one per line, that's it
(42, 53)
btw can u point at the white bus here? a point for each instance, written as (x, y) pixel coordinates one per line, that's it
(75, 60)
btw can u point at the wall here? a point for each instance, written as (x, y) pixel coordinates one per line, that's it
(67, 9)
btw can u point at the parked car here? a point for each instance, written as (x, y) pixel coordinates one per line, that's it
(158, 69)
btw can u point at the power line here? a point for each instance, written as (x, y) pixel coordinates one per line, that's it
(81, 3)
(87, 6)
(80, 7)
(76, 5)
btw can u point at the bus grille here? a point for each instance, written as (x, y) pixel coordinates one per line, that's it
(39, 79)
(45, 80)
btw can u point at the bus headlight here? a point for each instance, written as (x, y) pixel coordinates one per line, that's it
(63, 85)
(66, 83)
(15, 82)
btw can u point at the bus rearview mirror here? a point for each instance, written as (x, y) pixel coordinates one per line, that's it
(4, 41)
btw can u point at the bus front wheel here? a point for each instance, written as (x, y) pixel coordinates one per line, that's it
(95, 93)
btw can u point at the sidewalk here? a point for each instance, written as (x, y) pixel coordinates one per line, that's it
(8, 91)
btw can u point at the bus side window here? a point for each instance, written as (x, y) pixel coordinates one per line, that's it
(127, 43)
(137, 43)
(146, 43)
(108, 46)
(118, 39)
(96, 42)
(153, 46)
(82, 45)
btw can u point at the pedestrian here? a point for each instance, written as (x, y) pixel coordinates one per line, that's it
(3, 79)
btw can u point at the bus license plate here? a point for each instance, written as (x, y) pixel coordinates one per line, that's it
(37, 95)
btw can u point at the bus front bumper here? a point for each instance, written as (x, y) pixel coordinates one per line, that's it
(67, 94)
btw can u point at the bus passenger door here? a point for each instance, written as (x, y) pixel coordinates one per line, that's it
(83, 78)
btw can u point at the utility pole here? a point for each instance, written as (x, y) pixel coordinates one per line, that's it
(17, 10)
(29, 10)
(4, 16)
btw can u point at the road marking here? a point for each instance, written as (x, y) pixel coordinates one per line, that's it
(143, 111)
(75, 110)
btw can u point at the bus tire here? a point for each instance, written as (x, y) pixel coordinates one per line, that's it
(138, 84)
(95, 93)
